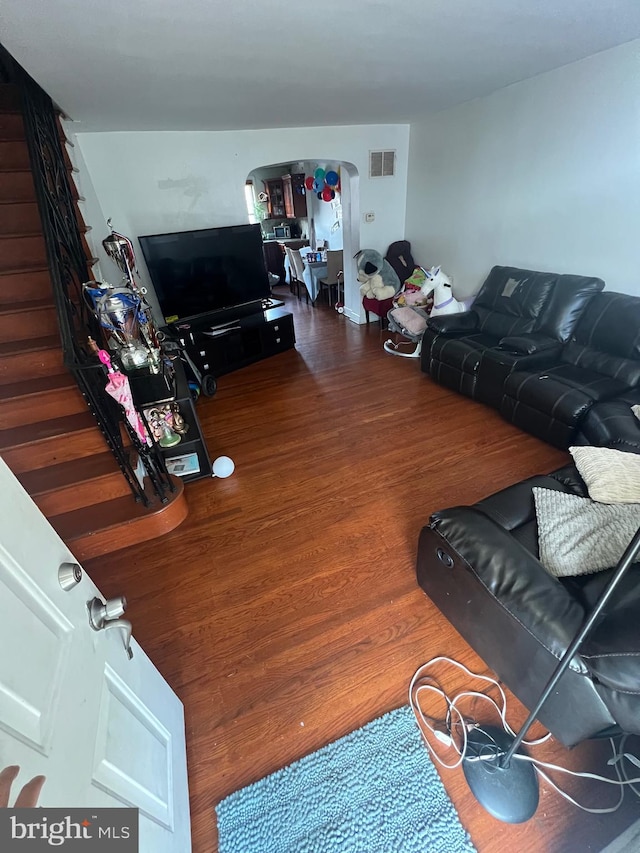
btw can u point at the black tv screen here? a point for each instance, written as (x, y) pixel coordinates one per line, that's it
(201, 272)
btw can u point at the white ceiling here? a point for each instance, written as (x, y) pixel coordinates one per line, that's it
(209, 64)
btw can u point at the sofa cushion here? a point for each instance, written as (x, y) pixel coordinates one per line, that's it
(463, 353)
(512, 299)
(607, 338)
(570, 297)
(563, 392)
(612, 476)
(579, 536)
(611, 424)
(612, 650)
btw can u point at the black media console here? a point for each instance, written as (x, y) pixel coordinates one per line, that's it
(223, 344)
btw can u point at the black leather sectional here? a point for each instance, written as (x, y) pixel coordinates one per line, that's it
(559, 357)
(541, 348)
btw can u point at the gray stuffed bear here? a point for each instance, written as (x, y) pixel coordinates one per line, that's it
(376, 275)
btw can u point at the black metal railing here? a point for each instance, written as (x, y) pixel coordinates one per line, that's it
(69, 269)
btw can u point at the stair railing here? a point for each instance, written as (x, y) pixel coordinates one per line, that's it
(69, 269)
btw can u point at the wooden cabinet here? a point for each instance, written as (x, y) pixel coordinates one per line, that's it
(295, 202)
(275, 191)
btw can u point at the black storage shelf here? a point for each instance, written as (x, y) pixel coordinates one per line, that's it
(189, 459)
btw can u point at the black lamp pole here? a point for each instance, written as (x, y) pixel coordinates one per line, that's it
(508, 789)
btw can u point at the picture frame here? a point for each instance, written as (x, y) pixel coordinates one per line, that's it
(184, 465)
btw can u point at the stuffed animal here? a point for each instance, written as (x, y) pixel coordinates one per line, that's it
(376, 276)
(444, 301)
(414, 293)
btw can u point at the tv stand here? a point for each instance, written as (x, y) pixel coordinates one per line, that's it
(225, 346)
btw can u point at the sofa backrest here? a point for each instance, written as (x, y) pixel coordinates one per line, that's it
(512, 300)
(570, 297)
(607, 338)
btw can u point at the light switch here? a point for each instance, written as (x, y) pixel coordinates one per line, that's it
(369, 217)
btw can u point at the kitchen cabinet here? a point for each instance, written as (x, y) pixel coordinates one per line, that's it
(275, 191)
(295, 201)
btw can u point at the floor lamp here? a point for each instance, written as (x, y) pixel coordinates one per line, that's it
(506, 786)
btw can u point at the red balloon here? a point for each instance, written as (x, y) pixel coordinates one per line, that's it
(309, 182)
(327, 194)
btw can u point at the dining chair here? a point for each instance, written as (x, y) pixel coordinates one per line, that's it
(334, 277)
(297, 271)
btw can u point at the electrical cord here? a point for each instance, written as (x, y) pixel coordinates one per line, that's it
(453, 732)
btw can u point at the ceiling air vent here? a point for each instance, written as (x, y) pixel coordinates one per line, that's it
(382, 164)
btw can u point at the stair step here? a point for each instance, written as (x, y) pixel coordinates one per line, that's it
(17, 186)
(25, 320)
(14, 154)
(10, 100)
(18, 252)
(77, 483)
(20, 218)
(30, 359)
(108, 526)
(14, 390)
(11, 126)
(51, 442)
(39, 400)
(25, 285)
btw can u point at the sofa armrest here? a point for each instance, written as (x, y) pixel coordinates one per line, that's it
(513, 577)
(453, 324)
(529, 344)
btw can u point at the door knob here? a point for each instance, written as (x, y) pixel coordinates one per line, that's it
(125, 626)
(101, 612)
(105, 615)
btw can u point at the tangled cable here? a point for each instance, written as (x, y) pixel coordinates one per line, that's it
(452, 732)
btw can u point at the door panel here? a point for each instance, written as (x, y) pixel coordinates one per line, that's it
(103, 729)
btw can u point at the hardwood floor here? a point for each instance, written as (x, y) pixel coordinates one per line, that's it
(285, 611)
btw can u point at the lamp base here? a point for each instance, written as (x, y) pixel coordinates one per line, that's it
(510, 793)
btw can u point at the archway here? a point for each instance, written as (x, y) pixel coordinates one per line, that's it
(335, 222)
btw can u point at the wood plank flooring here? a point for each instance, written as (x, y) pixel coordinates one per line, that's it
(285, 611)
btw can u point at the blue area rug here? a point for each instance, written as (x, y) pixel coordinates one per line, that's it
(373, 791)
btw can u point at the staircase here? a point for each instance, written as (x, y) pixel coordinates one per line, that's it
(48, 436)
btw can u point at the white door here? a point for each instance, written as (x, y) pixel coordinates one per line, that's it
(104, 730)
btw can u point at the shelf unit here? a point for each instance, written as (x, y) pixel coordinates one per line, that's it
(188, 459)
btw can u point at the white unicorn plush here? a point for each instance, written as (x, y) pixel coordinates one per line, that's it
(444, 301)
(412, 321)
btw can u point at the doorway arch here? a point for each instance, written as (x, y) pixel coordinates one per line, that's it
(349, 216)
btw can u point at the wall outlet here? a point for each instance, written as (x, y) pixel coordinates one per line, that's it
(369, 217)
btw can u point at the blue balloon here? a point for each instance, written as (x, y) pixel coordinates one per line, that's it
(317, 185)
(332, 178)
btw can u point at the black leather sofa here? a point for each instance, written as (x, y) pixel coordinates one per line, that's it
(567, 370)
(600, 362)
(519, 316)
(480, 566)
(543, 349)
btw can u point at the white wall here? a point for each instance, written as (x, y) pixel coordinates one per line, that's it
(153, 182)
(544, 174)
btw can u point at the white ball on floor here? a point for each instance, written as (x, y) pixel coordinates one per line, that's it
(223, 467)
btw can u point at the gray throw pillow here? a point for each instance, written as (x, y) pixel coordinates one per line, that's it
(577, 536)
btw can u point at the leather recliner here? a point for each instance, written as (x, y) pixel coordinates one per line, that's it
(480, 566)
(518, 316)
(601, 362)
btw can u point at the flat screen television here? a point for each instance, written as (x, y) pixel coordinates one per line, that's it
(202, 272)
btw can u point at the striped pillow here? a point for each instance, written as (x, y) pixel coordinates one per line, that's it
(611, 476)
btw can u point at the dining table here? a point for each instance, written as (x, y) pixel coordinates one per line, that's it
(312, 272)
